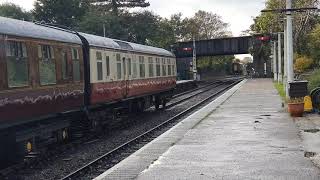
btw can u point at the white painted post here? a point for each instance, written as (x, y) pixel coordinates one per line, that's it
(289, 45)
(279, 58)
(274, 53)
(285, 60)
(194, 60)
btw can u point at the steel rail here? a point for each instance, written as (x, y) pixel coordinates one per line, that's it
(189, 97)
(88, 166)
(195, 89)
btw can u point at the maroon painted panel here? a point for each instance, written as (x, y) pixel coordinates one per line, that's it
(114, 91)
(24, 104)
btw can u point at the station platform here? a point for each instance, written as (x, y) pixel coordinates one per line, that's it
(243, 134)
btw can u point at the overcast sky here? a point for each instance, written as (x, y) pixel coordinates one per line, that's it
(238, 13)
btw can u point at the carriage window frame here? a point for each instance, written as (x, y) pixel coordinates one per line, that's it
(173, 67)
(134, 68)
(129, 66)
(76, 65)
(164, 67)
(119, 66)
(107, 60)
(151, 67)
(16, 51)
(158, 67)
(169, 69)
(99, 65)
(64, 66)
(142, 67)
(46, 55)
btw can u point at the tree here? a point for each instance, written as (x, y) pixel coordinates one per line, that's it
(304, 22)
(13, 11)
(114, 5)
(115, 26)
(206, 25)
(314, 44)
(62, 12)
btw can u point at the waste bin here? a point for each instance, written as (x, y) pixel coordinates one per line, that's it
(298, 89)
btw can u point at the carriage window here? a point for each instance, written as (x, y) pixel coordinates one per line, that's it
(158, 66)
(169, 67)
(108, 65)
(99, 66)
(142, 67)
(46, 52)
(75, 65)
(17, 64)
(150, 61)
(124, 66)
(75, 53)
(134, 64)
(129, 66)
(118, 66)
(64, 65)
(164, 67)
(173, 67)
(47, 65)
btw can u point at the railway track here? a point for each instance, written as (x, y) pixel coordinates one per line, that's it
(46, 160)
(109, 159)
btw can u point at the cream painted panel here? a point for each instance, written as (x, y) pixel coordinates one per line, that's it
(93, 66)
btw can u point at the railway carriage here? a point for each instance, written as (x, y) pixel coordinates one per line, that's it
(50, 77)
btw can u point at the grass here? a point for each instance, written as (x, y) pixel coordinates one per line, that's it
(281, 91)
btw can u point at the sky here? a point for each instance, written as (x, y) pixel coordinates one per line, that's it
(238, 14)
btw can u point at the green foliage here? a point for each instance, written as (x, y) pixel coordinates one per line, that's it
(114, 5)
(62, 12)
(205, 25)
(303, 22)
(215, 63)
(13, 11)
(314, 80)
(280, 89)
(314, 44)
(302, 63)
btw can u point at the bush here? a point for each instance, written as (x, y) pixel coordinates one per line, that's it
(302, 63)
(314, 80)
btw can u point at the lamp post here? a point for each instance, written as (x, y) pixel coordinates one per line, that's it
(274, 56)
(279, 58)
(289, 45)
(285, 60)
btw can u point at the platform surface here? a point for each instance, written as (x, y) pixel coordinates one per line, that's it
(245, 136)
